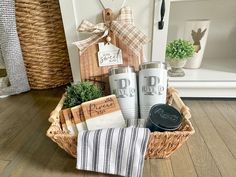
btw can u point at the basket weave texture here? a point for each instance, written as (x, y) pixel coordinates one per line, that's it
(160, 145)
(43, 43)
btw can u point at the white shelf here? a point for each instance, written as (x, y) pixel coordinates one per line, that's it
(216, 78)
(205, 75)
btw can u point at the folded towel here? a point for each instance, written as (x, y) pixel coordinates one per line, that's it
(118, 151)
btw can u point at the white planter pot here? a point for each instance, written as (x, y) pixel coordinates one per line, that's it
(196, 31)
(176, 67)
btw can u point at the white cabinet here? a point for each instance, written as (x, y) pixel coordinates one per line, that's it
(217, 76)
(74, 11)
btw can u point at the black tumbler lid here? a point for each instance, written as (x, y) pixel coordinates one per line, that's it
(165, 116)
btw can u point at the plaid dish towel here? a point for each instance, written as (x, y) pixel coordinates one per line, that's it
(118, 151)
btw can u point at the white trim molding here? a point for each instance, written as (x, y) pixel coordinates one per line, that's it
(69, 23)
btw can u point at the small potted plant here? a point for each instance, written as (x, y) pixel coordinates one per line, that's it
(177, 53)
(81, 92)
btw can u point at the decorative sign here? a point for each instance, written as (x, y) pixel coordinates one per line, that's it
(109, 55)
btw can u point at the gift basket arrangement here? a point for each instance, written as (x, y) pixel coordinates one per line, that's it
(123, 110)
(160, 145)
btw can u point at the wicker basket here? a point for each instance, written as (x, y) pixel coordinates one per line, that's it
(43, 44)
(160, 145)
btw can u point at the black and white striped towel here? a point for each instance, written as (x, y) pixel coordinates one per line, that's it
(118, 151)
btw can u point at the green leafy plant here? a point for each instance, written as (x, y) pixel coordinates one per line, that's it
(81, 92)
(179, 49)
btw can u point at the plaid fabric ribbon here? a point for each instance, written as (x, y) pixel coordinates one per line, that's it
(123, 27)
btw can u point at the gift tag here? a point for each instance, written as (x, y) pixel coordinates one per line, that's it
(109, 55)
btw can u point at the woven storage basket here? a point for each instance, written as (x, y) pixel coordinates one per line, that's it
(160, 145)
(43, 44)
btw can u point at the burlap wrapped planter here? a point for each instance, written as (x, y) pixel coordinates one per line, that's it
(43, 43)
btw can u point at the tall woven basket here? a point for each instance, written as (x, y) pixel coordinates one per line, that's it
(43, 44)
(160, 145)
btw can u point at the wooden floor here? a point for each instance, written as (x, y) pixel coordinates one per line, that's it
(25, 151)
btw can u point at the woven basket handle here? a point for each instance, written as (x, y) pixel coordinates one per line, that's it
(184, 110)
(54, 116)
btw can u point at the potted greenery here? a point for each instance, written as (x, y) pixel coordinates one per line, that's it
(81, 92)
(177, 53)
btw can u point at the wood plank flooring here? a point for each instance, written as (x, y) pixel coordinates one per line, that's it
(25, 151)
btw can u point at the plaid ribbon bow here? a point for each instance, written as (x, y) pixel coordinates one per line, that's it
(123, 27)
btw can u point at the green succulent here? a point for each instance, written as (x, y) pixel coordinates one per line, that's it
(81, 92)
(180, 49)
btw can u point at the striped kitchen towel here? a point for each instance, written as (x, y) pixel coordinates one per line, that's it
(118, 151)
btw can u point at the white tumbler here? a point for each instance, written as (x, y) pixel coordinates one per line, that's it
(123, 84)
(152, 86)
